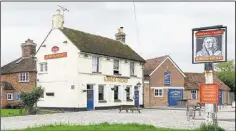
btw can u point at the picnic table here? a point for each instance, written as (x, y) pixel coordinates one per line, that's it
(130, 107)
(193, 106)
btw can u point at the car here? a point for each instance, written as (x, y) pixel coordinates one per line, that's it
(233, 104)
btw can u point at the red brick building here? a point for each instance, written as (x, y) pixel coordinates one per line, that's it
(163, 82)
(19, 75)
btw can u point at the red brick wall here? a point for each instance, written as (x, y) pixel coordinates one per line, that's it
(146, 95)
(19, 86)
(157, 80)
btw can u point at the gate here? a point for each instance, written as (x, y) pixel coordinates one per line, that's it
(174, 95)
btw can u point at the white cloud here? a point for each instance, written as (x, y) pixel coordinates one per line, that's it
(164, 28)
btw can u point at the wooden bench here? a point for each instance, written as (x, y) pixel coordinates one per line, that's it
(129, 107)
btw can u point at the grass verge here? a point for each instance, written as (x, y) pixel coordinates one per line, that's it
(12, 112)
(100, 127)
(22, 112)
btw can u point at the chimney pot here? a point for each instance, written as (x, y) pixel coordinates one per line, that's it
(28, 48)
(120, 35)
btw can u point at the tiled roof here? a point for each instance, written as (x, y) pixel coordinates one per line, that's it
(193, 80)
(22, 64)
(95, 44)
(152, 64)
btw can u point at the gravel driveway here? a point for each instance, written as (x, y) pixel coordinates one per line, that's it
(160, 118)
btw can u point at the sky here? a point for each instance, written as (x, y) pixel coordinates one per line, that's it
(163, 28)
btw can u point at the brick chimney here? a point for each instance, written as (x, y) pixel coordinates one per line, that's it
(120, 35)
(28, 48)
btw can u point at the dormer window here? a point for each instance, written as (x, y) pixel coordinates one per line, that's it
(116, 67)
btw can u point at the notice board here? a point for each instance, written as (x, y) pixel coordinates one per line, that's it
(209, 93)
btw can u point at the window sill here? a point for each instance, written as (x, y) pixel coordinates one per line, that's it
(133, 76)
(97, 72)
(159, 96)
(9, 100)
(41, 73)
(23, 81)
(117, 74)
(129, 100)
(102, 101)
(117, 100)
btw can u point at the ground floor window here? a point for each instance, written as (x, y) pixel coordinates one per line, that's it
(128, 93)
(9, 96)
(158, 92)
(194, 94)
(116, 92)
(101, 92)
(17, 96)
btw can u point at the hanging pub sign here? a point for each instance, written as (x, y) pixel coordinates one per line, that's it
(209, 44)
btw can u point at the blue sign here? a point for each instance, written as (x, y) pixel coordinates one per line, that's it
(167, 78)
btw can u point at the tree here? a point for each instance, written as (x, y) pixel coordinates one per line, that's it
(29, 99)
(225, 71)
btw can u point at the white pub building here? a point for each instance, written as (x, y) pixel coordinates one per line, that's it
(83, 71)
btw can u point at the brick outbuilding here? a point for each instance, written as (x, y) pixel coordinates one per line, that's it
(163, 82)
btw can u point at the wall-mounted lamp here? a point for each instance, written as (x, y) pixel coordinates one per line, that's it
(138, 84)
(84, 90)
(65, 42)
(112, 89)
(43, 45)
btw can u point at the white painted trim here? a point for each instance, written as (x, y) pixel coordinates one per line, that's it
(167, 87)
(172, 63)
(11, 96)
(158, 66)
(159, 89)
(146, 82)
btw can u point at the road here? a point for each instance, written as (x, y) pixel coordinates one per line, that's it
(156, 117)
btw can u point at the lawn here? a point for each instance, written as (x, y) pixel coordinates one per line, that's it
(12, 112)
(100, 127)
(22, 112)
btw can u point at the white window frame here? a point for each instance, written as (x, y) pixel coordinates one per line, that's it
(95, 64)
(193, 93)
(158, 95)
(43, 67)
(132, 71)
(19, 96)
(103, 86)
(11, 94)
(118, 66)
(24, 77)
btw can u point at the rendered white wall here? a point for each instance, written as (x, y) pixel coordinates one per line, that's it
(76, 70)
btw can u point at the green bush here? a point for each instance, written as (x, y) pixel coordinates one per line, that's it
(210, 127)
(30, 99)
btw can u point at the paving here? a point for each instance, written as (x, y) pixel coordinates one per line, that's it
(160, 118)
